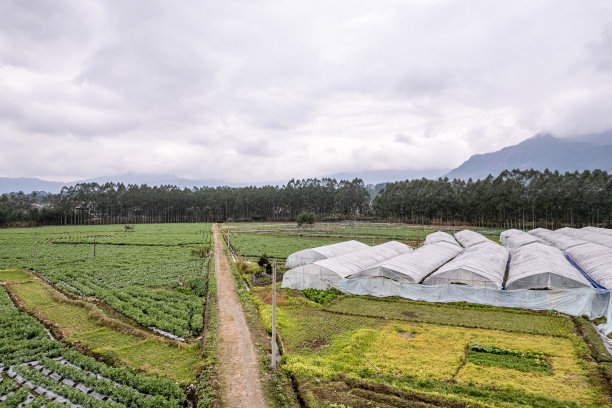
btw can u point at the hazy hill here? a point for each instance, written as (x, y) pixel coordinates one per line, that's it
(541, 152)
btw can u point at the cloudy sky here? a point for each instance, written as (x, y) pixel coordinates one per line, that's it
(251, 91)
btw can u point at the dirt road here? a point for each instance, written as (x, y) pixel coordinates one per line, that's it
(238, 363)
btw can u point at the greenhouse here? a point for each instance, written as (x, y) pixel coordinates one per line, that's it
(541, 266)
(556, 239)
(595, 260)
(414, 266)
(481, 265)
(587, 235)
(469, 238)
(605, 231)
(440, 236)
(514, 238)
(319, 274)
(311, 255)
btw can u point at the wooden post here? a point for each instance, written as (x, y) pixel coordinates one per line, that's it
(274, 345)
(94, 246)
(34, 246)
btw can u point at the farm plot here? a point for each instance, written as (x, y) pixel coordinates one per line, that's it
(423, 355)
(36, 370)
(148, 273)
(84, 324)
(367, 232)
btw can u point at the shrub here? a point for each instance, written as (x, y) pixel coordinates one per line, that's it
(305, 218)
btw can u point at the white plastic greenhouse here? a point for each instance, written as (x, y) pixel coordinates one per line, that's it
(605, 231)
(481, 265)
(595, 237)
(541, 266)
(514, 238)
(469, 238)
(595, 260)
(320, 274)
(311, 255)
(556, 239)
(439, 236)
(414, 266)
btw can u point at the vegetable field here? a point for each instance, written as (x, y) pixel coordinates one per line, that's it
(146, 272)
(36, 370)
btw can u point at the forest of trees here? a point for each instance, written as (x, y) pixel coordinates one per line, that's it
(519, 199)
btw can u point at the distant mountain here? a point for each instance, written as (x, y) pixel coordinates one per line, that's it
(385, 176)
(543, 151)
(27, 185)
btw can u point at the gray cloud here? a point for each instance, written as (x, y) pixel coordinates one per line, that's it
(208, 89)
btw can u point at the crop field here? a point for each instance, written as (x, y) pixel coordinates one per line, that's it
(252, 240)
(36, 370)
(146, 272)
(433, 354)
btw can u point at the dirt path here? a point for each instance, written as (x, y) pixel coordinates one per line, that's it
(238, 363)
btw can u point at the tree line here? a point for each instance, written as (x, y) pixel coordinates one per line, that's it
(515, 199)
(519, 199)
(115, 203)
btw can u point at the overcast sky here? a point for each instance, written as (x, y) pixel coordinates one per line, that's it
(251, 91)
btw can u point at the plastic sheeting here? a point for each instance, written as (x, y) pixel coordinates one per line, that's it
(605, 231)
(595, 260)
(556, 239)
(482, 265)
(440, 236)
(541, 266)
(576, 302)
(416, 265)
(514, 238)
(317, 275)
(307, 256)
(469, 238)
(595, 237)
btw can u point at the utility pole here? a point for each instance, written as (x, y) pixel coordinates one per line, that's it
(274, 345)
(34, 246)
(94, 246)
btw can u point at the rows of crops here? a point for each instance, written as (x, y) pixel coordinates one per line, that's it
(147, 272)
(36, 370)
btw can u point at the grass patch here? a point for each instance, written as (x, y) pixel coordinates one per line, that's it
(14, 275)
(456, 314)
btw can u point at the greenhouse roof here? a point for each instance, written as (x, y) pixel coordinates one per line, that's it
(556, 239)
(595, 260)
(482, 265)
(311, 255)
(416, 265)
(514, 238)
(469, 238)
(440, 236)
(541, 266)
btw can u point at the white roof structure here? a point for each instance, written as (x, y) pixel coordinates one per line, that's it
(307, 256)
(440, 236)
(556, 239)
(514, 238)
(541, 266)
(318, 274)
(605, 231)
(469, 238)
(595, 237)
(414, 266)
(482, 264)
(595, 260)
